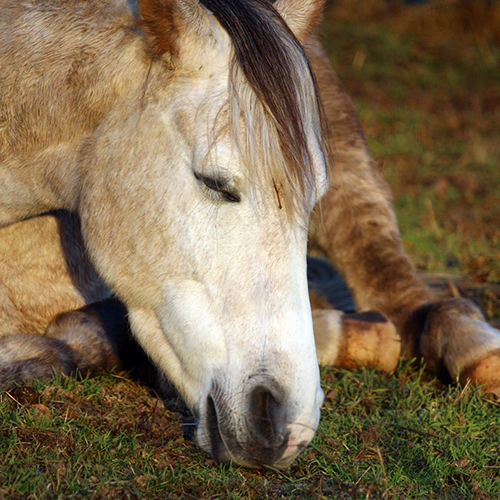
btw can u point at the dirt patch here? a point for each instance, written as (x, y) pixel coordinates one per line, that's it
(45, 440)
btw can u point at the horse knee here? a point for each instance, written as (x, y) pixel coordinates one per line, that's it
(86, 335)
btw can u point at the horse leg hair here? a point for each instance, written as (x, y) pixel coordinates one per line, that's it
(354, 340)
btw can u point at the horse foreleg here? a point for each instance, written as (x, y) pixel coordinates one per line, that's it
(87, 341)
(355, 340)
(96, 333)
(455, 337)
(356, 228)
(355, 225)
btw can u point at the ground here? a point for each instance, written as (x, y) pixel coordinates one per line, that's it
(425, 80)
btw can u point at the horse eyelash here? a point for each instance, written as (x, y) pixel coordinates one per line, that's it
(216, 189)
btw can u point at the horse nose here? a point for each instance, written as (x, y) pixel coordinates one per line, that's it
(267, 423)
(260, 429)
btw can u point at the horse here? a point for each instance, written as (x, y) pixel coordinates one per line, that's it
(163, 166)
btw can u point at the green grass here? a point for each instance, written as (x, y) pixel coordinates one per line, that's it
(381, 436)
(410, 437)
(430, 109)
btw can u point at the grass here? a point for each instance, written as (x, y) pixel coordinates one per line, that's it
(428, 97)
(408, 437)
(381, 436)
(429, 101)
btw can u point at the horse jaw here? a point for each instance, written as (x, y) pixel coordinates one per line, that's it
(227, 344)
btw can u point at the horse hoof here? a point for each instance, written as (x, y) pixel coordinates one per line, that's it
(372, 341)
(486, 373)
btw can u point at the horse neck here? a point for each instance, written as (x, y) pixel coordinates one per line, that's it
(87, 69)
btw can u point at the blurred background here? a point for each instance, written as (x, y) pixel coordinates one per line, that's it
(425, 79)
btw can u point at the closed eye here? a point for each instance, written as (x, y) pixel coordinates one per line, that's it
(220, 186)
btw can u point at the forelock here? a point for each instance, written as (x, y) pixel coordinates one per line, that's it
(273, 94)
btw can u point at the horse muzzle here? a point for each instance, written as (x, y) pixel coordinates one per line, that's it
(255, 430)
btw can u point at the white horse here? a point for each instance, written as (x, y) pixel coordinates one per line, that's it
(184, 142)
(193, 156)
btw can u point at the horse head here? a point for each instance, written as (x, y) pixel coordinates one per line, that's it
(197, 192)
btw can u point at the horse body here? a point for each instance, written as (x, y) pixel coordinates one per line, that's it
(43, 250)
(187, 141)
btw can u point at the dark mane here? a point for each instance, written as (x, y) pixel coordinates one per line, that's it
(274, 65)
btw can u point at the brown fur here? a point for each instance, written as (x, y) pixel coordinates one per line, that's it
(484, 372)
(318, 301)
(355, 224)
(160, 22)
(368, 342)
(355, 227)
(85, 334)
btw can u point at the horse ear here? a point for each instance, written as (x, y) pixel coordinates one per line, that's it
(302, 16)
(166, 22)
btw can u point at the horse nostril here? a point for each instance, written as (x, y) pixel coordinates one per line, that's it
(258, 436)
(267, 417)
(216, 443)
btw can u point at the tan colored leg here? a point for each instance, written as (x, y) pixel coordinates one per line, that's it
(355, 340)
(84, 333)
(355, 227)
(87, 341)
